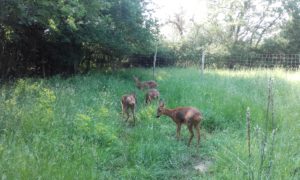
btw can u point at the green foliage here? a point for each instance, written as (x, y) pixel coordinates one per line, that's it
(287, 41)
(29, 109)
(94, 131)
(73, 128)
(50, 37)
(239, 27)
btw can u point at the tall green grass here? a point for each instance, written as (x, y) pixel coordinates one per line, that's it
(73, 129)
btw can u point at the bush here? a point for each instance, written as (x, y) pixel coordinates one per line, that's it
(94, 131)
(29, 109)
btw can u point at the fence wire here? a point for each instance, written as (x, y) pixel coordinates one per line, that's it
(288, 61)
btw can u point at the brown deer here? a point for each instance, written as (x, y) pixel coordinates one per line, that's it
(129, 102)
(183, 115)
(145, 84)
(150, 95)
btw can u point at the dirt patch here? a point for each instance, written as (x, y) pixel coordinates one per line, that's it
(202, 166)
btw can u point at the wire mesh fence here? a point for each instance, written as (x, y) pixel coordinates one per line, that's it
(287, 61)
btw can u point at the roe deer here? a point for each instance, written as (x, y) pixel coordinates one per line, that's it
(145, 84)
(182, 115)
(129, 102)
(150, 95)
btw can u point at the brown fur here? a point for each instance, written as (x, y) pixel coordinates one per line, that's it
(150, 95)
(145, 84)
(128, 102)
(183, 115)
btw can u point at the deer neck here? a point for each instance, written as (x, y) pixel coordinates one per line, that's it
(168, 112)
(138, 84)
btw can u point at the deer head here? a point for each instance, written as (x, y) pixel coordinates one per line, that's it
(160, 109)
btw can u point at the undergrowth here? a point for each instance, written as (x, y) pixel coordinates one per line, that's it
(73, 129)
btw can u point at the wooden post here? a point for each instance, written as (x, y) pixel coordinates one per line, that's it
(154, 61)
(202, 62)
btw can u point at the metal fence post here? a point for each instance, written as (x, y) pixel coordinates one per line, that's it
(298, 61)
(154, 61)
(202, 62)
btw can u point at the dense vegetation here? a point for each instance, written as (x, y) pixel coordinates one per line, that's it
(72, 128)
(47, 37)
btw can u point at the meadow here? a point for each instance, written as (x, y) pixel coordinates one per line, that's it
(72, 128)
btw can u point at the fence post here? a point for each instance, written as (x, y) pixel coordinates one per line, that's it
(154, 61)
(298, 61)
(202, 62)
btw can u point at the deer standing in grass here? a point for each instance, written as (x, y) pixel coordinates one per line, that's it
(129, 102)
(145, 84)
(183, 115)
(150, 95)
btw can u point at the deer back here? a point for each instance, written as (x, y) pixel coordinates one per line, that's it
(145, 84)
(150, 84)
(129, 100)
(185, 114)
(180, 114)
(152, 93)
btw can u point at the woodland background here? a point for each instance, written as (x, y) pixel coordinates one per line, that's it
(48, 37)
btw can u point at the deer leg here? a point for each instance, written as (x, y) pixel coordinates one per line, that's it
(148, 100)
(190, 127)
(198, 133)
(178, 132)
(133, 114)
(127, 113)
(125, 110)
(122, 110)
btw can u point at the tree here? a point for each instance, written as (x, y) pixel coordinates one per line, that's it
(291, 31)
(48, 37)
(178, 22)
(247, 21)
(288, 38)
